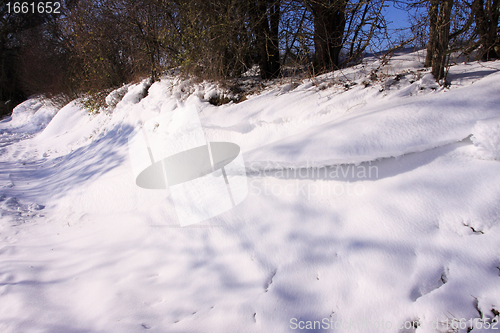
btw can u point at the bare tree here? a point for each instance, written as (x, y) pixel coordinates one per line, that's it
(329, 23)
(486, 14)
(439, 36)
(265, 15)
(365, 21)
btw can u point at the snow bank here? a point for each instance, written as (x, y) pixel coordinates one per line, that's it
(412, 240)
(391, 129)
(31, 116)
(486, 137)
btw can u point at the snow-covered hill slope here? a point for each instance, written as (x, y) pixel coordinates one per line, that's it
(373, 204)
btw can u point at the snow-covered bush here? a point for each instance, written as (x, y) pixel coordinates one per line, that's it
(486, 137)
(116, 95)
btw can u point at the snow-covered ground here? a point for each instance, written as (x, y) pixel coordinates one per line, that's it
(373, 205)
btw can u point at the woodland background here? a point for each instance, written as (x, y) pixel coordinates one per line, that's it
(92, 46)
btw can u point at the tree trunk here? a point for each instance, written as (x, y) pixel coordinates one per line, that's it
(486, 18)
(433, 15)
(273, 45)
(439, 36)
(266, 16)
(329, 24)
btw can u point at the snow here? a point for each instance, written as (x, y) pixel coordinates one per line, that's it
(486, 137)
(389, 129)
(373, 200)
(32, 115)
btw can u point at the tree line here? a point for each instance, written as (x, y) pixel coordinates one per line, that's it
(94, 45)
